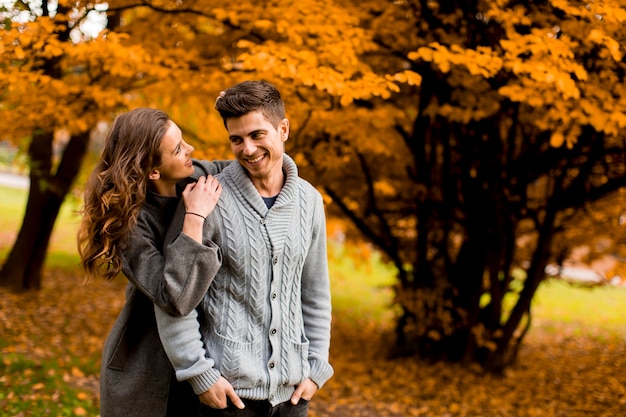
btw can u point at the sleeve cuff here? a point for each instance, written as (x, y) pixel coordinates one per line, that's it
(201, 383)
(321, 372)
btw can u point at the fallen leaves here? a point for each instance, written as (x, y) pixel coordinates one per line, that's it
(561, 371)
(51, 343)
(564, 374)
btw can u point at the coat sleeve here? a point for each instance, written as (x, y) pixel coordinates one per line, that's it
(204, 168)
(316, 299)
(174, 285)
(178, 285)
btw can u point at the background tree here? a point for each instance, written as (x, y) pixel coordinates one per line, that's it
(46, 99)
(464, 181)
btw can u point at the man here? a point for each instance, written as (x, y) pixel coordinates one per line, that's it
(259, 343)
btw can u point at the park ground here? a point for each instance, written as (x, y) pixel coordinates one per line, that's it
(51, 343)
(572, 362)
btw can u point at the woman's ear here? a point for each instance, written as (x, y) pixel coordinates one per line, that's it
(154, 175)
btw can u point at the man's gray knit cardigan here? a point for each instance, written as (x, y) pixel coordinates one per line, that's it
(265, 320)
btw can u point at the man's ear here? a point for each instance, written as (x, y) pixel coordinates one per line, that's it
(154, 175)
(283, 128)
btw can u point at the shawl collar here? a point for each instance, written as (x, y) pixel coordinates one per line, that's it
(244, 188)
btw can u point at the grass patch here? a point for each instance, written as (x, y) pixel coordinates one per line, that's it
(586, 309)
(12, 204)
(31, 388)
(62, 252)
(360, 285)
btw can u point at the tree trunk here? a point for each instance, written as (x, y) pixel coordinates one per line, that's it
(23, 267)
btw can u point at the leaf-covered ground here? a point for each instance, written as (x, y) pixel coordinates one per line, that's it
(50, 345)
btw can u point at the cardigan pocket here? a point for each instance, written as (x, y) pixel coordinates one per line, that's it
(239, 362)
(298, 363)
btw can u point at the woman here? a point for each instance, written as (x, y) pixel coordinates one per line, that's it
(130, 198)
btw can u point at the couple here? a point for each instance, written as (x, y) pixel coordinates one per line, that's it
(234, 278)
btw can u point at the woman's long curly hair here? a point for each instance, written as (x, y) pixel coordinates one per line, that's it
(116, 189)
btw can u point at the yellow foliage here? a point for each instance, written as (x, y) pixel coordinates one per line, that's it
(384, 188)
(346, 99)
(566, 6)
(19, 52)
(611, 44)
(404, 77)
(482, 61)
(557, 139)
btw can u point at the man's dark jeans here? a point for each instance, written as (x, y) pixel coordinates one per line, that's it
(259, 409)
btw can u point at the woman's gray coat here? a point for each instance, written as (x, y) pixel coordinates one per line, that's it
(136, 377)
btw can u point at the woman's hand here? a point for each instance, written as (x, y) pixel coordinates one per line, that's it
(200, 199)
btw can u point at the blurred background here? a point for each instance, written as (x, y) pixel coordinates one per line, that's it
(471, 155)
